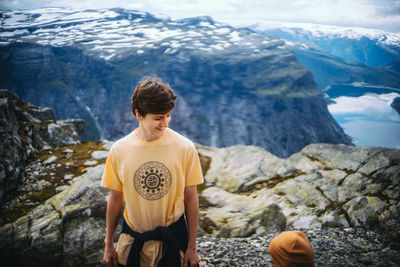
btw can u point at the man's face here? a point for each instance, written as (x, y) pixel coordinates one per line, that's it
(154, 124)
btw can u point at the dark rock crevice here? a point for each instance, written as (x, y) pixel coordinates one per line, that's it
(335, 205)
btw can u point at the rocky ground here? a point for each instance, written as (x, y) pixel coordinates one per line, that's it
(332, 247)
(66, 226)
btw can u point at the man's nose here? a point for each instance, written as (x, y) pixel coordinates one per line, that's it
(164, 122)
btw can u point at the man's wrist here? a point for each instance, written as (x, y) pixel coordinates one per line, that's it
(108, 242)
(191, 247)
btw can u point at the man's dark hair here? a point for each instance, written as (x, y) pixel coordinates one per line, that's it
(153, 96)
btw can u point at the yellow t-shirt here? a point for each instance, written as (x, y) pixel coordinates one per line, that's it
(152, 177)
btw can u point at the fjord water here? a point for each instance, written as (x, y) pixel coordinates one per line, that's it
(365, 113)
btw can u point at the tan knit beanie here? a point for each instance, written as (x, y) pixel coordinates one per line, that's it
(292, 248)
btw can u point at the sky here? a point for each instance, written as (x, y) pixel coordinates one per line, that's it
(376, 14)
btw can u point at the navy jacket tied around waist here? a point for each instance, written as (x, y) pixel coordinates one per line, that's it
(173, 237)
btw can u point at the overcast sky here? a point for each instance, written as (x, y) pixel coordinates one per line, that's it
(378, 14)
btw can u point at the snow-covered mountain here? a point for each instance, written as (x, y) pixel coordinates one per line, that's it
(342, 55)
(235, 86)
(115, 33)
(368, 46)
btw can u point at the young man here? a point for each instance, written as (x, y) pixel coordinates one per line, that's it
(153, 171)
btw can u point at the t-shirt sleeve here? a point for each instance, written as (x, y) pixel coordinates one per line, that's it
(194, 175)
(110, 176)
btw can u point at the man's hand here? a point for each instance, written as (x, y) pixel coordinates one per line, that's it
(114, 209)
(191, 259)
(110, 256)
(192, 218)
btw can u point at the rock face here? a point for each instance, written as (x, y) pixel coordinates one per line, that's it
(58, 215)
(396, 104)
(251, 191)
(25, 129)
(235, 86)
(67, 228)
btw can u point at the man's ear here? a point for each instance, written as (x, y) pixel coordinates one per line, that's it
(140, 117)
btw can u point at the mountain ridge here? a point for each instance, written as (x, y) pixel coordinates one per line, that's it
(356, 54)
(235, 86)
(349, 43)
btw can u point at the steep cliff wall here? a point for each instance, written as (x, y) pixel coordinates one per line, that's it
(24, 131)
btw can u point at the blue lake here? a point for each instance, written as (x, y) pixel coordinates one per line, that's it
(365, 114)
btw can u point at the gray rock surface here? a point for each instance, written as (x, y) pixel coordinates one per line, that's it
(67, 229)
(321, 186)
(347, 208)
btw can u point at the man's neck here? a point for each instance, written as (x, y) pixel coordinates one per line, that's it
(145, 137)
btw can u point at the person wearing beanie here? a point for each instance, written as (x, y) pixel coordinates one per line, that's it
(291, 248)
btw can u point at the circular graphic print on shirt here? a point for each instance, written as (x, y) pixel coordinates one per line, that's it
(152, 180)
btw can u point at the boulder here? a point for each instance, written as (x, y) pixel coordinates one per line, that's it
(248, 168)
(321, 186)
(42, 114)
(67, 230)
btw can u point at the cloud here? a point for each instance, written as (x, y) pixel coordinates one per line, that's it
(375, 107)
(356, 13)
(388, 8)
(382, 14)
(369, 119)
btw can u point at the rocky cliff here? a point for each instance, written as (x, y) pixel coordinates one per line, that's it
(235, 86)
(25, 130)
(345, 198)
(396, 104)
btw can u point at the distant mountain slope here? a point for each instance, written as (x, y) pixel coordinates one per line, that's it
(329, 70)
(235, 86)
(340, 55)
(395, 65)
(367, 46)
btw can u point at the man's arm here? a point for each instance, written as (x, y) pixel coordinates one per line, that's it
(192, 217)
(114, 207)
